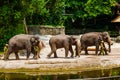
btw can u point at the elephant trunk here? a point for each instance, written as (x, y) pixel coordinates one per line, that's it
(109, 47)
(109, 44)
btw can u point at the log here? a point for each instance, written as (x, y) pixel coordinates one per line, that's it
(92, 49)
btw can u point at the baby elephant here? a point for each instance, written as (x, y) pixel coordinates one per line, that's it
(61, 41)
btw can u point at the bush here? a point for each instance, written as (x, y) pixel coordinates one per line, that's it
(7, 33)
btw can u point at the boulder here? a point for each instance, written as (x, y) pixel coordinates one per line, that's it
(118, 39)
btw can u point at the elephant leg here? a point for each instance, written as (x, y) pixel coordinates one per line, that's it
(79, 51)
(55, 54)
(76, 53)
(16, 54)
(109, 47)
(105, 49)
(86, 51)
(50, 54)
(71, 50)
(52, 51)
(35, 55)
(100, 52)
(28, 54)
(97, 48)
(66, 51)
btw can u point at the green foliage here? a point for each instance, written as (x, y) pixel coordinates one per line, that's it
(90, 8)
(50, 12)
(7, 33)
(98, 7)
(87, 13)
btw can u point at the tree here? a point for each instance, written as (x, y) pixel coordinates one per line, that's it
(89, 10)
(13, 15)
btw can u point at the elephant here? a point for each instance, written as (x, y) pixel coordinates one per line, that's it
(61, 41)
(20, 42)
(94, 39)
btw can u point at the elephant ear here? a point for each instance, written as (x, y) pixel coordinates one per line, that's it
(73, 40)
(105, 36)
(100, 38)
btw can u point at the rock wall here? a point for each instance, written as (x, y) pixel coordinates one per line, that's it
(43, 30)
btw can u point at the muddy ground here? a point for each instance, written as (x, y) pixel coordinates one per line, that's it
(82, 63)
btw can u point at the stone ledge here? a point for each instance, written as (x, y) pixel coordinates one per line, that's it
(45, 30)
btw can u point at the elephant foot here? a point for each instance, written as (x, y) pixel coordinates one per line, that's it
(55, 56)
(96, 54)
(35, 57)
(86, 54)
(48, 56)
(17, 59)
(72, 56)
(5, 59)
(99, 54)
(78, 55)
(27, 58)
(38, 56)
(106, 53)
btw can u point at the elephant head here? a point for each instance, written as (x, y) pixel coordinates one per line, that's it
(106, 38)
(34, 40)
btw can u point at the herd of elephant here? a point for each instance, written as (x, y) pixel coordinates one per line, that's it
(33, 44)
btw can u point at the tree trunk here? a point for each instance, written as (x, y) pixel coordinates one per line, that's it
(25, 26)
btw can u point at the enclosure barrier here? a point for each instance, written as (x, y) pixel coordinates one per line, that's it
(100, 78)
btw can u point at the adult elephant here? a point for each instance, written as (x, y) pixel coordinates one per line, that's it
(94, 39)
(20, 42)
(61, 41)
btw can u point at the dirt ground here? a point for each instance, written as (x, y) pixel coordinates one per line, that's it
(84, 62)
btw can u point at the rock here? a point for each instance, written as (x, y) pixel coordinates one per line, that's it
(118, 39)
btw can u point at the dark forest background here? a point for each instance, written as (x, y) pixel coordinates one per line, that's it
(85, 15)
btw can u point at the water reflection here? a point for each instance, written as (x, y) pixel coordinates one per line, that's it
(78, 75)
